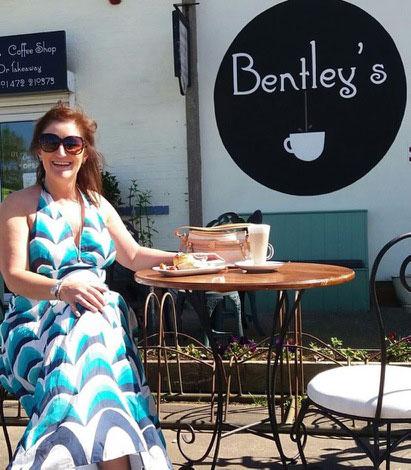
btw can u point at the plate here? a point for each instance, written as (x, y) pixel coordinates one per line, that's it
(190, 272)
(266, 267)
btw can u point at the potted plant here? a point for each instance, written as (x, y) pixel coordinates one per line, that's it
(140, 224)
(139, 219)
(111, 191)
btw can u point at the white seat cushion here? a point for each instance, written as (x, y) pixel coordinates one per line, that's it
(353, 390)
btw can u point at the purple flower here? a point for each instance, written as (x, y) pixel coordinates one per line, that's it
(252, 345)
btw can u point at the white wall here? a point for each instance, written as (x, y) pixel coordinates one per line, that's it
(122, 58)
(385, 191)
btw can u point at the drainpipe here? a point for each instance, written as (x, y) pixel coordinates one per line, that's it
(195, 201)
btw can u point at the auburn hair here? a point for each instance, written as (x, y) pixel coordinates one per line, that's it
(89, 176)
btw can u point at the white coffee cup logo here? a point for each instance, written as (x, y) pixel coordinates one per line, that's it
(306, 146)
(260, 249)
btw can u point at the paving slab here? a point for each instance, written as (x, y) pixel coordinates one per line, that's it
(246, 450)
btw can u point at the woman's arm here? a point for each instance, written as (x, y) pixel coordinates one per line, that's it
(14, 260)
(129, 253)
(14, 237)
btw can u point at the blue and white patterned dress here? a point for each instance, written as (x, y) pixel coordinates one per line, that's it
(80, 381)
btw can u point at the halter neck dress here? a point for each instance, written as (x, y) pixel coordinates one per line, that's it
(80, 380)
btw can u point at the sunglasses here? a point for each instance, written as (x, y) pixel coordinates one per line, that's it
(73, 144)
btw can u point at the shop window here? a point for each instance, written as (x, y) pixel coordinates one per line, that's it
(17, 166)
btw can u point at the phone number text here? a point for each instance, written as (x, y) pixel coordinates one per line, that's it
(27, 82)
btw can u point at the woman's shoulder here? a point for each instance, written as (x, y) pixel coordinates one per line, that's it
(105, 209)
(23, 201)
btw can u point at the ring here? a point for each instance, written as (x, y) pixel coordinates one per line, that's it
(75, 311)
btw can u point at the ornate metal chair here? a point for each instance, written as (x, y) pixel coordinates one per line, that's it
(379, 395)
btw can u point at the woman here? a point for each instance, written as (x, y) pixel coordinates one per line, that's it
(66, 351)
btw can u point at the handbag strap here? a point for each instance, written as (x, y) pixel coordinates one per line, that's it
(182, 231)
(217, 228)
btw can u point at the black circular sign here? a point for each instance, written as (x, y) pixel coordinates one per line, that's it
(310, 96)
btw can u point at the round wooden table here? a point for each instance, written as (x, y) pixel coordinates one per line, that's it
(290, 276)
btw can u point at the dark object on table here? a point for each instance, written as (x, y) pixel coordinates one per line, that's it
(219, 304)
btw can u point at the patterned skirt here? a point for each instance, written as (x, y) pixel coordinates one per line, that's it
(82, 384)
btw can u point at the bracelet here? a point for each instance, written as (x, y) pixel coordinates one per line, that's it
(55, 290)
(58, 290)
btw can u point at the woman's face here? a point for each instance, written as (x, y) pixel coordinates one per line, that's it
(59, 163)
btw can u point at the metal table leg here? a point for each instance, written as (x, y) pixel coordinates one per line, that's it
(198, 301)
(289, 310)
(283, 315)
(285, 311)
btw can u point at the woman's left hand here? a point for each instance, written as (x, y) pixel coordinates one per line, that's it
(90, 295)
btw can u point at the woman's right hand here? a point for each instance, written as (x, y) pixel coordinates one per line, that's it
(89, 295)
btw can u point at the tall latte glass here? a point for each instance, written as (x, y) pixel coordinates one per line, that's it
(260, 249)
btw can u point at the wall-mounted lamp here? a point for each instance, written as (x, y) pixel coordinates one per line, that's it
(114, 2)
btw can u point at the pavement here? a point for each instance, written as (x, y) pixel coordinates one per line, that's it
(244, 450)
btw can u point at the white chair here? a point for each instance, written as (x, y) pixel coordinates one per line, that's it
(379, 395)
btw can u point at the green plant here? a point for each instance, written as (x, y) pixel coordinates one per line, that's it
(289, 401)
(347, 353)
(111, 190)
(192, 350)
(355, 354)
(240, 348)
(258, 400)
(139, 201)
(336, 343)
(398, 348)
(336, 351)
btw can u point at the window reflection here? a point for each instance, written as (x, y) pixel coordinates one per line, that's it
(17, 167)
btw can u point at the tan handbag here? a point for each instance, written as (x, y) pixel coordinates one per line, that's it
(230, 241)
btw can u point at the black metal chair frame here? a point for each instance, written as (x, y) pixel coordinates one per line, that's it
(384, 443)
(3, 397)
